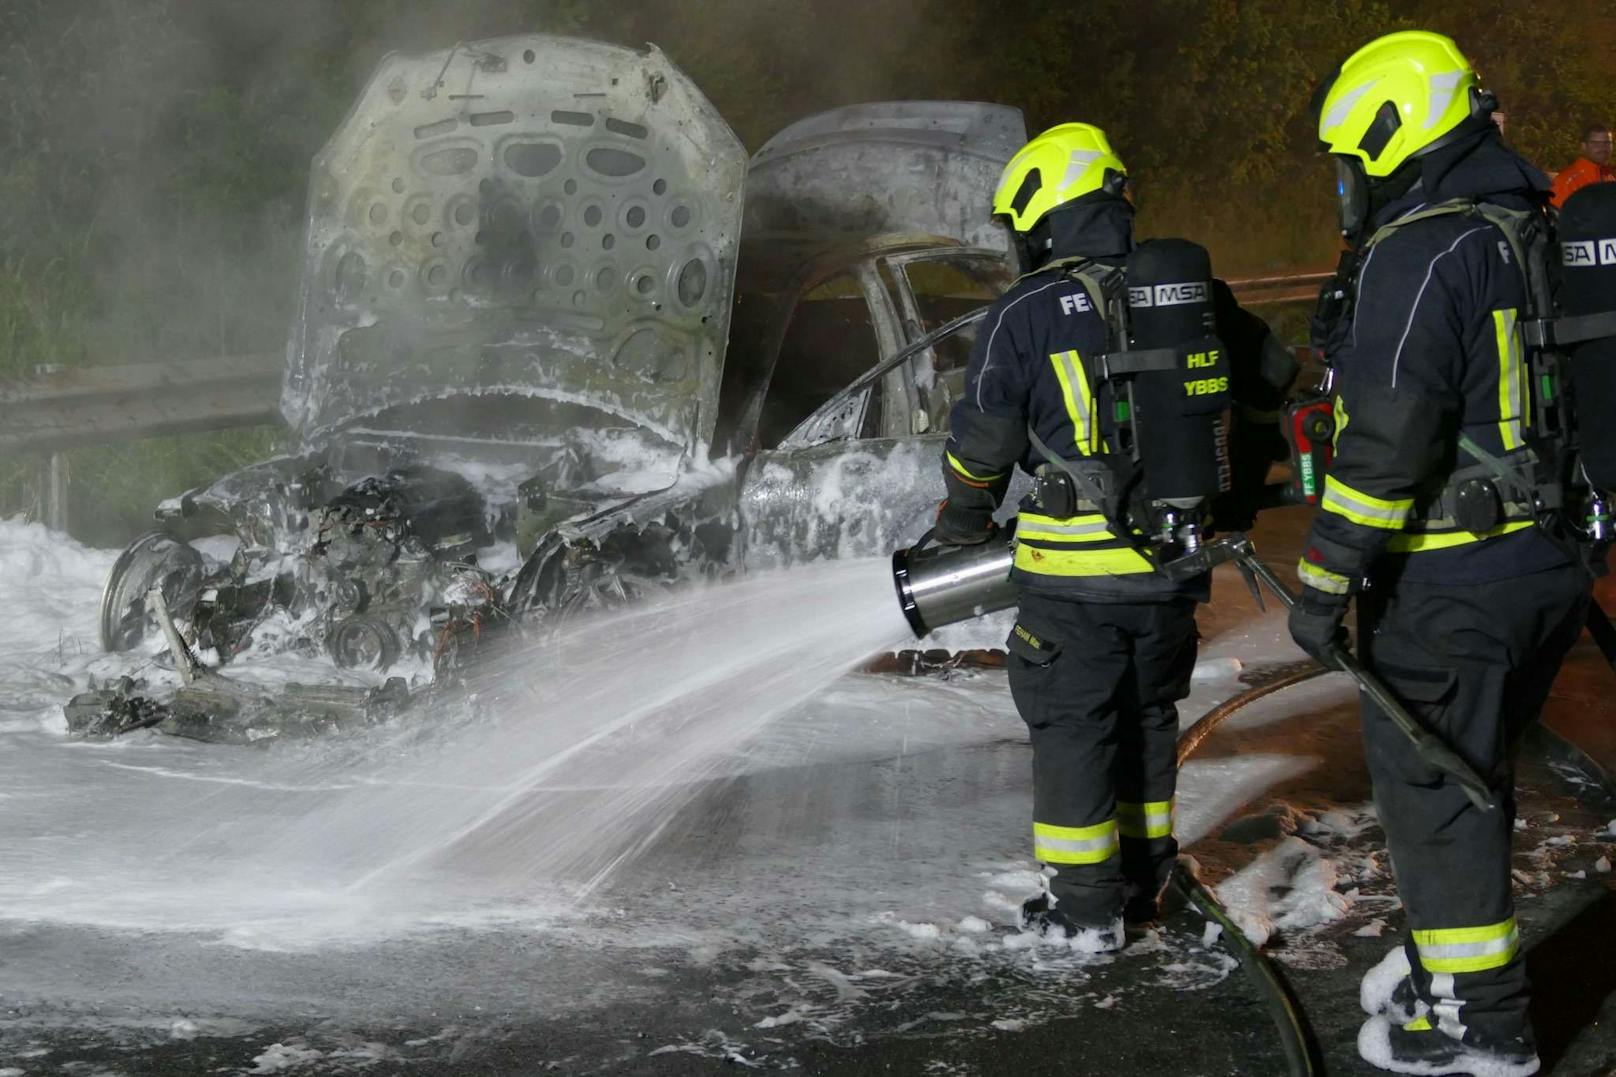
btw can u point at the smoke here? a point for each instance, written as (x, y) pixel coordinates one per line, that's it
(156, 152)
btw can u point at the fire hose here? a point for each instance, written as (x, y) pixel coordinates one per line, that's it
(1295, 1040)
(939, 585)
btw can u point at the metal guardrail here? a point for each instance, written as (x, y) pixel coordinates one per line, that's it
(1266, 291)
(94, 405)
(67, 408)
(71, 407)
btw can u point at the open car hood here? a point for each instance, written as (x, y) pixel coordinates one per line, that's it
(524, 219)
(887, 167)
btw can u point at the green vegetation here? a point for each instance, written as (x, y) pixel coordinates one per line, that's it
(155, 151)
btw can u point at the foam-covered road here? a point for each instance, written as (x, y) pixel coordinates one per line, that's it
(842, 899)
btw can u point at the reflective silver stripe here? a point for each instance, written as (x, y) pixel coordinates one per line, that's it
(1150, 820)
(1397, 356)
(1321, 579)
(1359, 508)
(1077, 845)
(987, 352)
(1471, 949)
(1077, 384)
(1098, 528)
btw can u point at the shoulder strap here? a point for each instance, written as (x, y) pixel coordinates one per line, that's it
(1529, 250)
(1526, 231)
(1057, 265)
(1440, 209)
(1101, 283)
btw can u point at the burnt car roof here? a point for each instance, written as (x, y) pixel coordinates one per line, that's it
(887, 167)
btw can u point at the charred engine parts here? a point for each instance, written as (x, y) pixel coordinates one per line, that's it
(369, 571)
(112, 711)
(363, 641)
(222, 711)
(390, 550)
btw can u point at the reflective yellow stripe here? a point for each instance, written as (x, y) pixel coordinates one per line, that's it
(1365, 509)
(1152, 819)
(1468, 949)
(1074, 383)
(1422, 1023)
(1075, 844)
(953, 462)
(1421, 541)
(1512, 385)
(1122, 561)
(1090, 527)
(1322, 579)
(1339, 413)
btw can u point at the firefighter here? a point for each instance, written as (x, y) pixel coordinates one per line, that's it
(1466, 605)
(1103, 645)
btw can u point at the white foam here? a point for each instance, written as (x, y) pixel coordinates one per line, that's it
(1374, 1047)
(1290, 887)
(1376, 988)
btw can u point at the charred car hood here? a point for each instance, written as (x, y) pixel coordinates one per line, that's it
(521, 219)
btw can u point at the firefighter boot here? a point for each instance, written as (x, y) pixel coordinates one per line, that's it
(1039, 914)
(1388, 990)
(1420, 1047)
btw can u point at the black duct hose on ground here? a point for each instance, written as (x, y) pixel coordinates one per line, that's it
(1300, 1052)
(1604, 635)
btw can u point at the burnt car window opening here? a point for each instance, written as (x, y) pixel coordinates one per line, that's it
(944, 289)
(829, 342)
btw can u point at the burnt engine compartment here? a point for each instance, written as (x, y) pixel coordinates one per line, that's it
(377, 574)
(371, 572)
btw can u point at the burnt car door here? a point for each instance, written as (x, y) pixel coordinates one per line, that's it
(858, 476)
(814, 488)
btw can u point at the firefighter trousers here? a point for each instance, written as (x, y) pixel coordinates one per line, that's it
(1475, 664)
(1097, 685)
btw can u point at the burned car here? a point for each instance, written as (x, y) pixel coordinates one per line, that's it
(539, 365)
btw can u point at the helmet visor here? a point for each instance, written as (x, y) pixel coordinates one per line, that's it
(1352, 193)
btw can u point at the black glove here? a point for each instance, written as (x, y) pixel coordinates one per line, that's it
(958, 526)
(1315, 625)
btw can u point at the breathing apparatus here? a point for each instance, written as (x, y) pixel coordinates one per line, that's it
(1175, 376)
(1381, 116)
(1152, 471)
(1585, 334)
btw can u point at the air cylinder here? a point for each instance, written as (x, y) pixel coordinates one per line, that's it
(1179, 414)
(1587, 232)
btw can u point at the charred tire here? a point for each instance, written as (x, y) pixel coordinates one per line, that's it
(155, 559)
(363, 642)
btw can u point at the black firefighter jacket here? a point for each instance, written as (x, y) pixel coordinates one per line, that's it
(1432, 352)
(1030, 367)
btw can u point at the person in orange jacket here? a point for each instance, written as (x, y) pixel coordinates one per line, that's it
(1592, 167)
